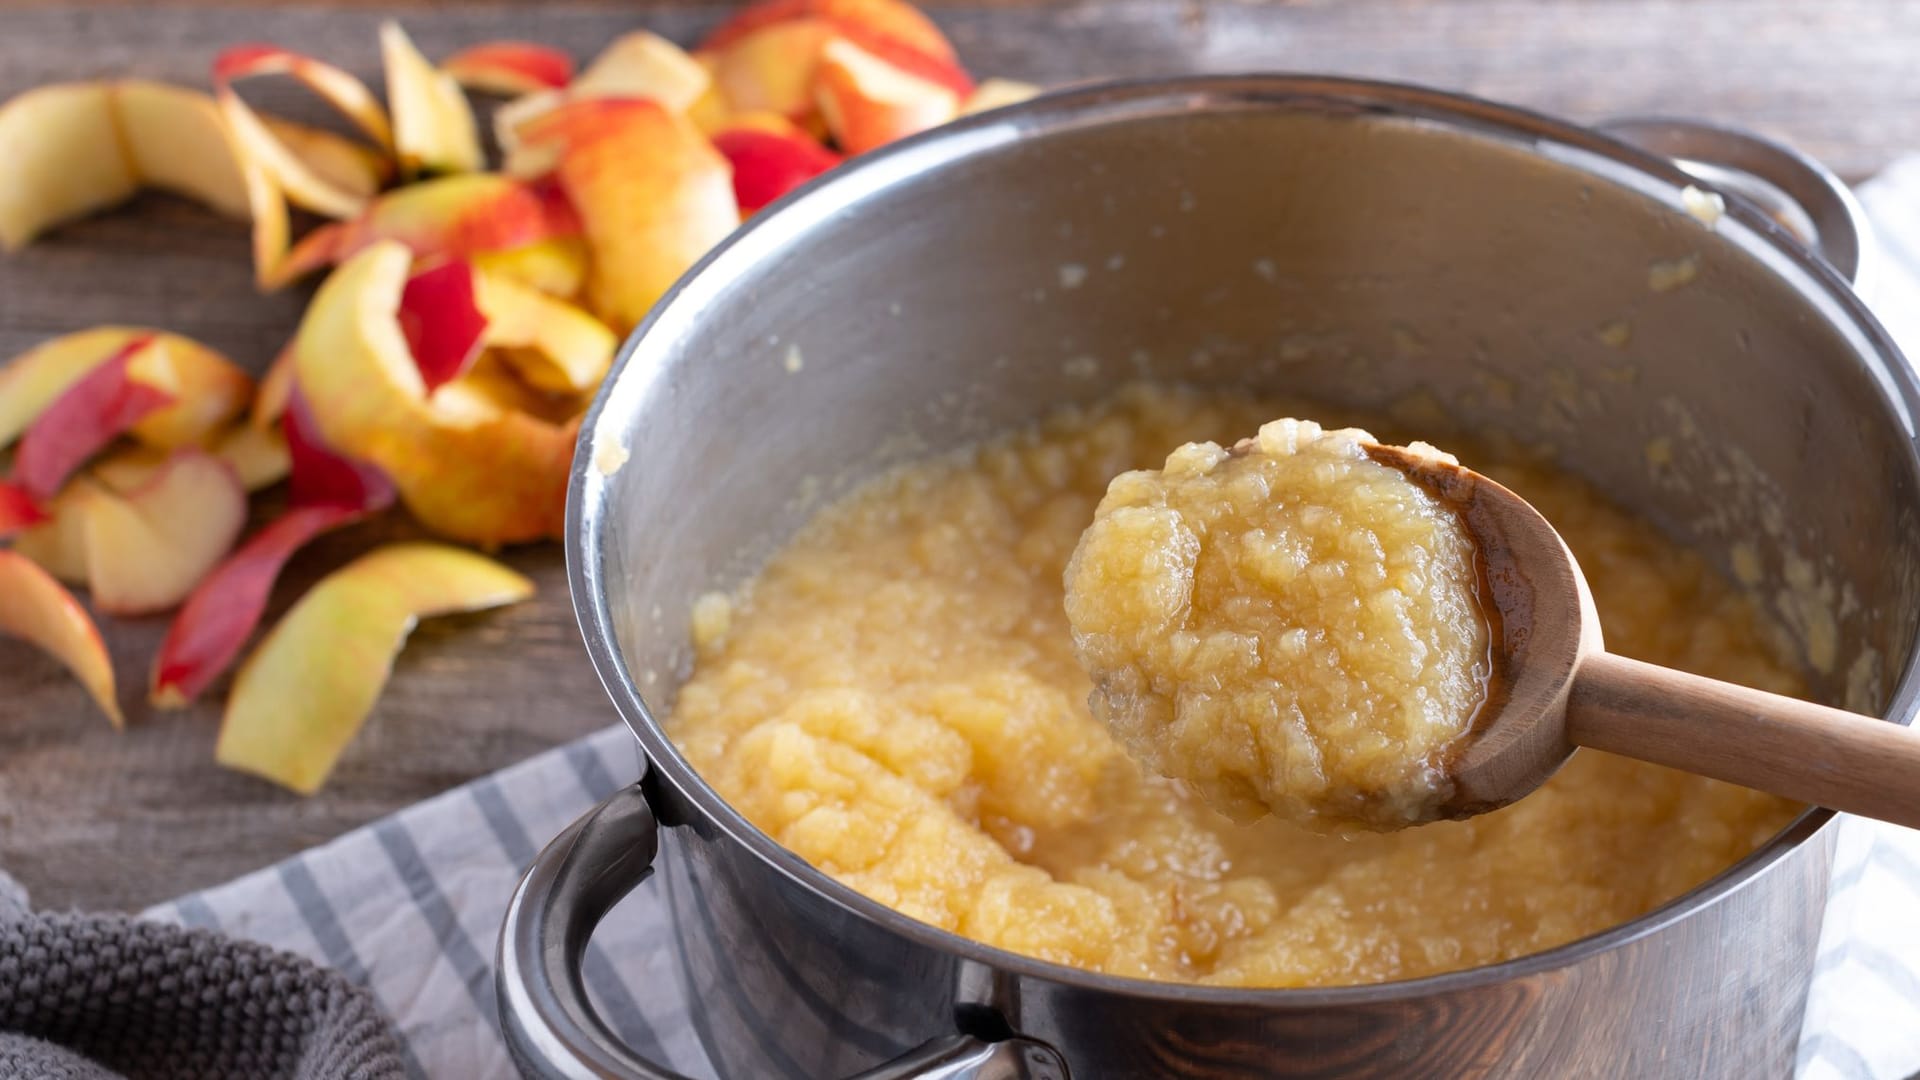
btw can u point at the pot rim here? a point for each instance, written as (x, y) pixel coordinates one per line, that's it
(1602, 156)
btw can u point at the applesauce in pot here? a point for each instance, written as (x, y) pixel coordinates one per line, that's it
(896, 699)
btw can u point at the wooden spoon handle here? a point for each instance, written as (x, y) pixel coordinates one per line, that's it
(1789, 747)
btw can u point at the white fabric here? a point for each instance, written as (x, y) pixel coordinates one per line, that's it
(411, 905)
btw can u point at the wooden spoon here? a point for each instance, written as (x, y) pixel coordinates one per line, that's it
(1555, 687)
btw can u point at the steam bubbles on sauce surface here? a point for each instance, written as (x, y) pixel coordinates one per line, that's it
(896, 699)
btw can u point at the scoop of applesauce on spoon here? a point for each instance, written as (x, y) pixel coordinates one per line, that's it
(1350, 635)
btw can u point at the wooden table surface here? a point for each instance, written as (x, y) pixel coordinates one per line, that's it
(93, 817)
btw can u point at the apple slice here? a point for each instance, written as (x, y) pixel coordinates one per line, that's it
(63, 160)
(509, 68)
(464, 466)
(37, 609)
(176, 140)
(652, 194)
(433, 128)
(768, 162)
(442, 321)
(147, 548)
(554, 345)
(869, 102)
(557, 267)
(307, 689)
(88, 415)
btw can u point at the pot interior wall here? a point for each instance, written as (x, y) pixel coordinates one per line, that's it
(1281, 244)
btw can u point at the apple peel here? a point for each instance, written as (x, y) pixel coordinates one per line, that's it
(442, 322)
(652, 193)
(452, 216)
(324, 477)
(509, 68)
(260, 147)
(36, 378)
(557, 267)
(176, 140)
(464, 466)
(769, 56)
(553, 345)
(772, 68)
(276, 386)
(64, 159)
(888, 18)
(292, 176)
(19, 510)
(329, 492)
(223, 610)
(345, 163)
(59, 544)
(258, 456)
(306, 691)
(39, 610)
(347, 95)
(98, 407)
(209, 388)
(769, 163)
(433, 126)
(147, 548)
(997, 94)
(869, 101)
(642, 64)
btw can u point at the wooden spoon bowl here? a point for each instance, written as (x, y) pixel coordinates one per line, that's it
(1554, 686)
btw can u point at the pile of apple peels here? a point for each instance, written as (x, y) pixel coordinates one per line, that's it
(466, 319)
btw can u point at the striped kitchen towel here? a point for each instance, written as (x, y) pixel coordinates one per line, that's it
(411, 905)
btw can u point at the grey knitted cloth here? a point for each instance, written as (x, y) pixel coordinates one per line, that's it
(102, 997)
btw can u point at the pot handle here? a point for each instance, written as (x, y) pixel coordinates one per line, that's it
(550, 1026)
(1803, 196)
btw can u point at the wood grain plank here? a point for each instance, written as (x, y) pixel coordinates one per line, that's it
(92, 817)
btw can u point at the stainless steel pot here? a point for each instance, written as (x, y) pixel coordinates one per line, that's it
(1354, 242)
